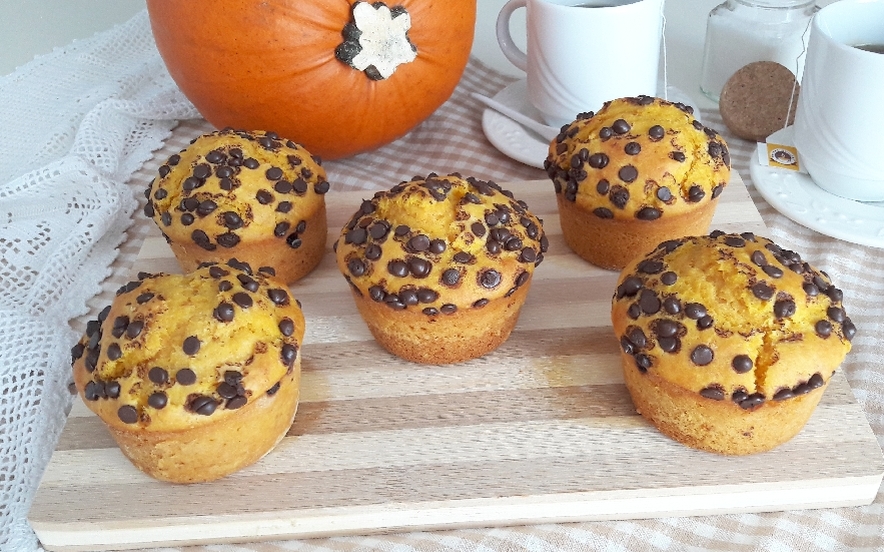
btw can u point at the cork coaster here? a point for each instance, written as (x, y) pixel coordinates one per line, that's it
(755, 100)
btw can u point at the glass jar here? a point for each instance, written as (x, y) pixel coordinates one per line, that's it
(739, 32)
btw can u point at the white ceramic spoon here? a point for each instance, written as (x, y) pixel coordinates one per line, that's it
(548, 133)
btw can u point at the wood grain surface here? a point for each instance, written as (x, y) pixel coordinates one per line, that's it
(541, 430)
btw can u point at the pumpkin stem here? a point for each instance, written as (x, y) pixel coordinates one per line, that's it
(376, 40)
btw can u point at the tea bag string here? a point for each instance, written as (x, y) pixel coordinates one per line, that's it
(804, 40)
(665, 60)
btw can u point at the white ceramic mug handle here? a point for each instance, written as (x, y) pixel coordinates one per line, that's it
(505, 39)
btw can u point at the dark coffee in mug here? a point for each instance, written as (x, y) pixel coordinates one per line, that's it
(875, 48)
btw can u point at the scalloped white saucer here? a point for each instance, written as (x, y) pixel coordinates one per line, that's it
(519, 143)
(795, 195)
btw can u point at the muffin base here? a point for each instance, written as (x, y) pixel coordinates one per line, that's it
(212, 451)
(716, 426)
(290, 264)
(443, 338)
(612, 243)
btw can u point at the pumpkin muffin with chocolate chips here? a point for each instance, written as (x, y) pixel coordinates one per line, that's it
(250, 195)
(440, 266)
(640, 171)
(728, 340)
(195, 376)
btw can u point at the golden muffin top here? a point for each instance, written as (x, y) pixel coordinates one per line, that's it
(440, 244)
(233, 186)
(176, 351)
(638, 158)
(732, 317)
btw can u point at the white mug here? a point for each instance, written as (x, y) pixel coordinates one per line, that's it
(840, 116)
(583, 53)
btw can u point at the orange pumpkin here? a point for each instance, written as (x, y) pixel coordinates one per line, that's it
(333, 75)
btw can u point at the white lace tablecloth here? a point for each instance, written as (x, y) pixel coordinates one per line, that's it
(85, 129)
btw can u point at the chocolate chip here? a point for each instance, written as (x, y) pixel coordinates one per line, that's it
(784, 308)
(357, 236)
(157, 400)
(619, 196)
(216, 271)
(836, 314)
(632, 148)
(752, 401)
(734, 241)
(112, 389)
(702, 355)
(758, 258)
(294, 241)
(206, 207)
(663, 194)
(669, 344)
(223, 312)
(598, 160)
(286, 327)
(695, 311)
(650, 266)
(627, 173)
(398, 268)
(656, 133)
(637, 337)
(203, 405)
(643, 362)
(704, 322)
(202, 239)
(243, 299)
(849, 329)
(273, 173)
(321, 187)
(191, 345)
(668, 278)
(741, 364)
(489, 278)
(248, 282)
(629, 287)
(288, 354)
(227, 239)
(603, 213)
(114, 352)
(648, 213)
(419, 268)
(713, 392)
(185, 376)
(127, 414)
(450, 277)
(666, 328)
(762, 291)
(677, 156)
(810, 289)
(783, 394)
(772, 271)
(419, 243)
(620, 126)
(158, 375)
(649, 302)
(696, 193)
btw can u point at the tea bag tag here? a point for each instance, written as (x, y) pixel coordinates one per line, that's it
(779, 156)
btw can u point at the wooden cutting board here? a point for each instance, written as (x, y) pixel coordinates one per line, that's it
(542, 430)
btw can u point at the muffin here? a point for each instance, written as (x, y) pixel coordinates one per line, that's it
(728, 341)
(195, 376)
(248, 195)
(638, 172)
(440, 266)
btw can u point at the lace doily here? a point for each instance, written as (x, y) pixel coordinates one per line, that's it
(72, 138)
